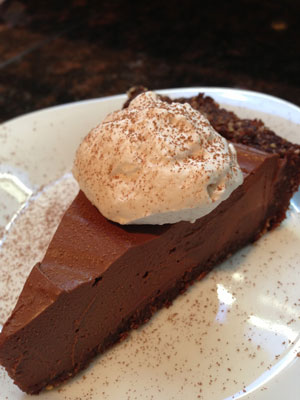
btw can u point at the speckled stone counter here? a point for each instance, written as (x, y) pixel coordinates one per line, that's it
(58, 52)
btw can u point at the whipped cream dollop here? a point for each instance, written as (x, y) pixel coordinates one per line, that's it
(156, 163)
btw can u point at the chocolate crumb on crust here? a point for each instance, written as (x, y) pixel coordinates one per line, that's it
(250, 132)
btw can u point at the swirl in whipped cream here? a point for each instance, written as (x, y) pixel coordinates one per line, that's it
(156, 163)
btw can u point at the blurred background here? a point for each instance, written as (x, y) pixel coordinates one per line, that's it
(54, 52)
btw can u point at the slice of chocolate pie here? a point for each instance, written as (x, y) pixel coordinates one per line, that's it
(99, 279)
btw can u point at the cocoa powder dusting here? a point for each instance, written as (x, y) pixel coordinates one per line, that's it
(28, 237)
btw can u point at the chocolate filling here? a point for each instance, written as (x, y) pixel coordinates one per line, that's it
(99, 279)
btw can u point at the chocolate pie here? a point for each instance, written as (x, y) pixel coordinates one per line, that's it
(100, 279)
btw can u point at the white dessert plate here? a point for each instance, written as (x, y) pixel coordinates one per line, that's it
(233, 335)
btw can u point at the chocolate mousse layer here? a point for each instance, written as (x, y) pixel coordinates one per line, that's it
(100, 279)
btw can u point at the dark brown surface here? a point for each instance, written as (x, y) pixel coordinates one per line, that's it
(62, 51)
(99, 279)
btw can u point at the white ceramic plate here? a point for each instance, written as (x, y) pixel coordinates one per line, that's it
(233, 335)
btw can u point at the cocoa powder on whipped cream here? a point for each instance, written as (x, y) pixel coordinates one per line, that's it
(156, 163)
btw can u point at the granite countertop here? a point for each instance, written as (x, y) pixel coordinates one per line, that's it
(62, 51)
